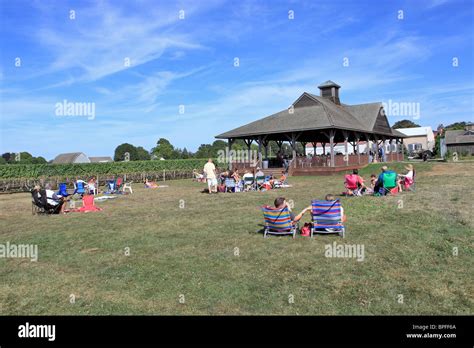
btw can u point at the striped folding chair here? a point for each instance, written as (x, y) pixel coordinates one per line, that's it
(278, 222)
(327, 218)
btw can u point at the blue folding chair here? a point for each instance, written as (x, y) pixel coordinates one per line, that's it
(327, 218)
(63, 189)
(111, 186)
(229, 185)
(79, 188)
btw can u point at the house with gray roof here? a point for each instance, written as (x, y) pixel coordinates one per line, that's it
(72, 157)
(102, 159)
(460, 141)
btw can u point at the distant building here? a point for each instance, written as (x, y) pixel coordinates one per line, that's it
(418, 138)
(101, 159)
(72, 157)
(460, 141)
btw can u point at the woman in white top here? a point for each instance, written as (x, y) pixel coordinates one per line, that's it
(408, 178)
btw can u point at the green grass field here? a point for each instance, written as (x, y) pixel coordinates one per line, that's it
(188, 254)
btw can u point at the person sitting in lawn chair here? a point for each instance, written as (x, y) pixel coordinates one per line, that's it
(280, 220)
(408, 179)
(198, 176)
(41, 204)
(88, 204)
(54, 200)
(386, 182)
(248, 181)
(354, 184)
(92, 186)
(328, 216)
(282, 182)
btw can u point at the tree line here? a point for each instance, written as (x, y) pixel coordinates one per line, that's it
(164, 149)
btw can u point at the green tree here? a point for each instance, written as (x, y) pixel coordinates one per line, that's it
(40, 160)
(26, 158)
(186, 154)
(456, 126)
(204, 151)
(119, 154)
(405, 124)
(142, 154)
(163, 149)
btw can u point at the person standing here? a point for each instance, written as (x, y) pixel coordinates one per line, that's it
(210, 173)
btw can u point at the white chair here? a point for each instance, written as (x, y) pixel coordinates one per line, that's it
(127, 186)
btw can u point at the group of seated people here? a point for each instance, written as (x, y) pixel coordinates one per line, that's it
(386, 182)
(54, 202)
(233, 181)
(327, 217)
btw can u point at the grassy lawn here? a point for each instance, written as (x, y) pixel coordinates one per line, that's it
(191, 252)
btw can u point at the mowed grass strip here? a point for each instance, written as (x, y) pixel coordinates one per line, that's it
(193, 253)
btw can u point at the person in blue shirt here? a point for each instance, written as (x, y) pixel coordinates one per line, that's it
(379, 183)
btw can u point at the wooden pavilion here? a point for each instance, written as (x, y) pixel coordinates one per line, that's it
(323, 119)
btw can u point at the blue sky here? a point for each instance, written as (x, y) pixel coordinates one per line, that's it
(190, 62)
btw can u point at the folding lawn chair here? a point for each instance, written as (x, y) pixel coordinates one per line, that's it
(127, 186)
(410, 184)
(390, 185)
(259, 182)
(111, 187)
(39, 204)
(63, 190)
(249, 183)
(327, 218)
(278, 222)
(119, 184)
(87, 205)
(79, 188)
(230, 185)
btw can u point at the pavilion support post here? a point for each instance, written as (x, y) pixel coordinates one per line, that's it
(293, 138)
(230, 141)
(357, 139)
(293, 147)
(280, 144)
(265, 148)
(384, 156)
(259, 141)
(397, 145)
(390, 146)
(376, 151)
(324, 148)
(368, 146)
(314, 147)
(332, 133)
(346, 149)
(248, 142)
(402, 149)
(303, 143)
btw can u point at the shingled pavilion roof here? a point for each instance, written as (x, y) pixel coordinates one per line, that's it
(311, 114)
